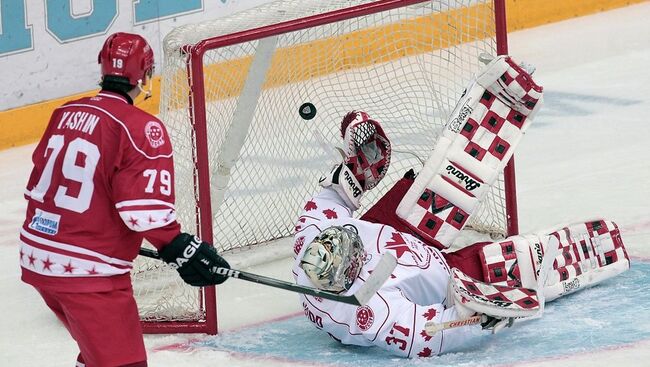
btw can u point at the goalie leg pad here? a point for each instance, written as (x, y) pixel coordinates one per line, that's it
(587, 254)
(477, 142)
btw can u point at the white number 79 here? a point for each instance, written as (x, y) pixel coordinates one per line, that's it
(83, 174)
(165, 181)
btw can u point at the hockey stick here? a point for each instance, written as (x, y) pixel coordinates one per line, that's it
(431, 328)
(379, 275)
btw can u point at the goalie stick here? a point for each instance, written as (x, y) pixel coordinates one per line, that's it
(431, 327)
(361, 297)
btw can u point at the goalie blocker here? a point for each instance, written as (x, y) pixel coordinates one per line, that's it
(480, 137)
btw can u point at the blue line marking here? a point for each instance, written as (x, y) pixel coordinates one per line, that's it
(611, 314)
(566, 105)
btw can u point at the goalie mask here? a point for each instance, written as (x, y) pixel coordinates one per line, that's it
(333, 260)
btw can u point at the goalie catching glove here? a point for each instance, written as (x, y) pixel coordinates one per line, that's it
(196, 261)
(366, 158)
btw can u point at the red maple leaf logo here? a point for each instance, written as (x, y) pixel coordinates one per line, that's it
(430, 314)
(426, 352)
(425, 336)
(330, 214)
(397, 244)
(310, 205)
(298, 227)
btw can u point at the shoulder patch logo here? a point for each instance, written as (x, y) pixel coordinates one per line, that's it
(154, 133)
(365, 317)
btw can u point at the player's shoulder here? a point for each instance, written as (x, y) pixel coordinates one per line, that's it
(149, 135)
(144, 131)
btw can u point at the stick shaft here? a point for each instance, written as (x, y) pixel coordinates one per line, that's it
(361, 297)
(432, 328)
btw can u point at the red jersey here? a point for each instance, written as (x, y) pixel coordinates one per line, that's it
(103, 179)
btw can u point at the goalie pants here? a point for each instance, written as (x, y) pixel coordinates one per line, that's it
(466, 259)
(105, 325)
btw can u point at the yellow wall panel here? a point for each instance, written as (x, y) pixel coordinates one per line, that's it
(25, 125)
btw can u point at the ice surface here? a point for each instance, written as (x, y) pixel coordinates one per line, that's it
(585, 156)
(577, 324)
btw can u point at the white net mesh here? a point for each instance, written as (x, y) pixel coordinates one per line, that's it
(406, 67)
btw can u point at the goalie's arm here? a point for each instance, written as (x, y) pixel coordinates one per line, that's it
(403, 331)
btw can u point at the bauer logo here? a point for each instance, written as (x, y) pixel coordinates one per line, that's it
(45, 222)
(458, 121)
(462, 178)
(154, 133)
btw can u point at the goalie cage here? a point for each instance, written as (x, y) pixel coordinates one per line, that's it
(246, 161)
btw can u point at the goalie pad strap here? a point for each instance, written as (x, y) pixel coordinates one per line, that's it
(477, 142)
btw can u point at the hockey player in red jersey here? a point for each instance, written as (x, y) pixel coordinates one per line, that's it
(103, 180)
(432, 291)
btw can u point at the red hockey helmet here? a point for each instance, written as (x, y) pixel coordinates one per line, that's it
(127, 55)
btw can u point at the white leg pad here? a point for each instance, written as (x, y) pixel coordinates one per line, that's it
(480, 137)
(588, 253)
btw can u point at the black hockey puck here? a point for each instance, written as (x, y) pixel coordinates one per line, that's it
(307, 111)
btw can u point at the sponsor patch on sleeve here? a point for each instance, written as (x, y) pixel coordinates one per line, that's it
(45, 222)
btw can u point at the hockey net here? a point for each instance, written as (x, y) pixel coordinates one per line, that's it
(246, 161)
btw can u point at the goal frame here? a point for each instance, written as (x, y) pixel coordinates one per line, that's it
(198, 117)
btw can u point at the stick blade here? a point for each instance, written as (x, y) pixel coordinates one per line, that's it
(379, 275)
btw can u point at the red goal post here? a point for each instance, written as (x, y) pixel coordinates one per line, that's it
(244, 159)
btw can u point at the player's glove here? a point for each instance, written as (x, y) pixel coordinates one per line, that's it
(194, 260)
